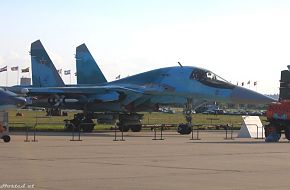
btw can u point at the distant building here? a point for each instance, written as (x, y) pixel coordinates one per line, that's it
(25, 81)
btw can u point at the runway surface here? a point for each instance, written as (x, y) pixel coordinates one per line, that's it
(98, 162)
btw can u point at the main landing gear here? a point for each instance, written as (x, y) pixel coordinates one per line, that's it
(85, 121)
(81, 121)
(130, 121)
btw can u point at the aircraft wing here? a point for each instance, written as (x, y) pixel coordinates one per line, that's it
(95, 93)
(78, 90)
(87, 90)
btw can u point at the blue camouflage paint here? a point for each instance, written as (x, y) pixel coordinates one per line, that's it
(174, 86)
(143, 92)
(88, 72)
(44, 72)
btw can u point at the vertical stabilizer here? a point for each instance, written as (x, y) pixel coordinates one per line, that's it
(44, 73)
(88, 71)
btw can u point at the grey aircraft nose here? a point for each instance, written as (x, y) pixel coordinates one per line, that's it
(242, 95)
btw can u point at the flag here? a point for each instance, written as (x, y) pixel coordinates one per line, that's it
(59, 71)
(3, 69)
(255, 83)
(26, 70)
(118, 77)
(249, 82)
(67, 72)
(14, 68)
(242, 83)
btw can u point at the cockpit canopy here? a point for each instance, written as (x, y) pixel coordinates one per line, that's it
(210, 79)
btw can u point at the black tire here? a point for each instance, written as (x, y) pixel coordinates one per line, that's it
(72, 125)
(6, 138)
(87, 125)
(124, 128)
(136, 128)
(184, 129)
(69, 127)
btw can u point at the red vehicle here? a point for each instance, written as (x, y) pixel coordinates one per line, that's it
(278, 113)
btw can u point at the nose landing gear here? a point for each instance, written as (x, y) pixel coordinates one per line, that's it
(185, 129)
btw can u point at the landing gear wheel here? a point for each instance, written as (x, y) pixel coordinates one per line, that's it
(136, 128)
(184, 129)
(6, 138)
(87, 125)
(72, 125)
(124, 128)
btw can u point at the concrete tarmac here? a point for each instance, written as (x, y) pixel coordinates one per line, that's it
(98, 162)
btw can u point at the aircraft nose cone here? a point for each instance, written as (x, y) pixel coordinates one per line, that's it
(245, 96)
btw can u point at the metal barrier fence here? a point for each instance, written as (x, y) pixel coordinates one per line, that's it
(35, 122)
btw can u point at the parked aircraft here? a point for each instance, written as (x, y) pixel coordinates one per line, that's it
(122, 99)
(9, 100)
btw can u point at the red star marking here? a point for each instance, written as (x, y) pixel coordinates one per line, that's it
(42, 61)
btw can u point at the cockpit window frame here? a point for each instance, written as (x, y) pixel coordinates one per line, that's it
(211, 79)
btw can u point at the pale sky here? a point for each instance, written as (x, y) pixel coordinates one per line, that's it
(240, 40)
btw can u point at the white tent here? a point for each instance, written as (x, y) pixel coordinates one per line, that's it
(252, 127)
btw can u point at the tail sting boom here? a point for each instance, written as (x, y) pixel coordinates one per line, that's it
(88, 71)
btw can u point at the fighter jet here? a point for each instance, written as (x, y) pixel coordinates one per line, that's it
(181, 85)
(10, 100)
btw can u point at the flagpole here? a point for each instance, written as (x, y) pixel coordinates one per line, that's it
(18, 76)
(6, 77)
